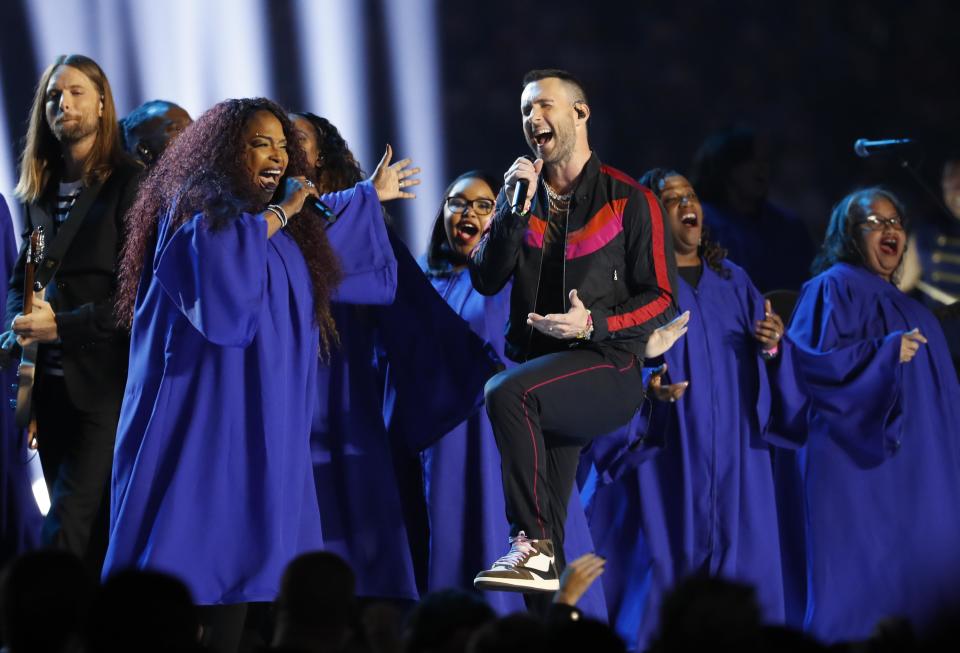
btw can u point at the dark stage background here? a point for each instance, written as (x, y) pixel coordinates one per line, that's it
(441, 80)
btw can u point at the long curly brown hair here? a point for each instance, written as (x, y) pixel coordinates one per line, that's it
(204, 171)
(337, 168)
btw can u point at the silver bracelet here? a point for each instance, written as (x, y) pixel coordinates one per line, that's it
(280, 213)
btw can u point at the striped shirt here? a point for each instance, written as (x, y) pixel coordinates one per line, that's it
(66, 197)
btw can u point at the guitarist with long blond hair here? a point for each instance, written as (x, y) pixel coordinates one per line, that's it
(76, 183)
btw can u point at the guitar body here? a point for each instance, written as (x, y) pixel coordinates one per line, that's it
(26, 373)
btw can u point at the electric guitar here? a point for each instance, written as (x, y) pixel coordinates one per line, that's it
(28, 360)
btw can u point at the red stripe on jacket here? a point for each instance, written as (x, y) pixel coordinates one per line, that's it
(619, 175)
(651, 309)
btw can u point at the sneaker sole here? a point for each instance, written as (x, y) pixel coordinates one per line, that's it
(516, 585)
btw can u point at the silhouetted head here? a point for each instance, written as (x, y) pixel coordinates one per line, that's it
(583, 635)
(143, 611)
(709, 614)
(518, 632)
(317, 604)
(444, 621)
(731, 169)
(44, 599)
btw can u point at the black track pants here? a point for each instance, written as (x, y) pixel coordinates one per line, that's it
(543, 413)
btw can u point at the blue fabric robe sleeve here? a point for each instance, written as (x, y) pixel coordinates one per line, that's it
(216, 278)
(359, 237)
(853, 382)
(8, 245)
(786, 424)
(437, 365)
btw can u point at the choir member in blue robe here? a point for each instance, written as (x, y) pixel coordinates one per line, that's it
(704, 502)
(20, 518)
(227, 280)
(462, 470)
(407, 370)
(879, 469)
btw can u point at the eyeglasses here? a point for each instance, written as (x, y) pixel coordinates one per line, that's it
(874, 222)
(670, 200)
(481, 206)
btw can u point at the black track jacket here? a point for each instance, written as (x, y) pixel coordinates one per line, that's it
(619, 257)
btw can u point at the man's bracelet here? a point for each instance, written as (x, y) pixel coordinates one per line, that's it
(587, 331)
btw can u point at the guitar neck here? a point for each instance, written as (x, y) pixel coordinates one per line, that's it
(29, 273)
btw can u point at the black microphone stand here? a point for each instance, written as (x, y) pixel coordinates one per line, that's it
(937, 199)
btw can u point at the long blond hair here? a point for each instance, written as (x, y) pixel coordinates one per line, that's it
(41, 155)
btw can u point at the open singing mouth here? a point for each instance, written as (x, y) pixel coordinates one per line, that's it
(890, 245)
(542, 136)
(466, 231)
(269, 178)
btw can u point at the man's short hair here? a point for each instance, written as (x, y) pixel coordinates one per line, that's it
(578, 95)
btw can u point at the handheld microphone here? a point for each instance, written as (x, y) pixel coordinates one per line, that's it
(325, 212)
(519, 196)
(520, 192)
(864, 148)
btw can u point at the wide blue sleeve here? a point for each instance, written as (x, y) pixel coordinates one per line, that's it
(359, 237)
(216, 278)
(853, 382)
(786, 424)
(437, 366)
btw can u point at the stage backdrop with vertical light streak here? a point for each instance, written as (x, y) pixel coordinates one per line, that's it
(369, 66)
(440, 79)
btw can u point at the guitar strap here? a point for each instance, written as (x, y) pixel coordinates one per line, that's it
(57, 249)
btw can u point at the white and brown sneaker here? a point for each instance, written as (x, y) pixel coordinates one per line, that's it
(528, 567)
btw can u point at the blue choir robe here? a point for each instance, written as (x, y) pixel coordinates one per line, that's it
(20, 518)
(698, 496)
(405, 373)
(212, 480)
(462, 482)
(880, 470)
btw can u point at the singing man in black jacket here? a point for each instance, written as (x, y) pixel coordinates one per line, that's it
(593, 278)
(77, 183)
